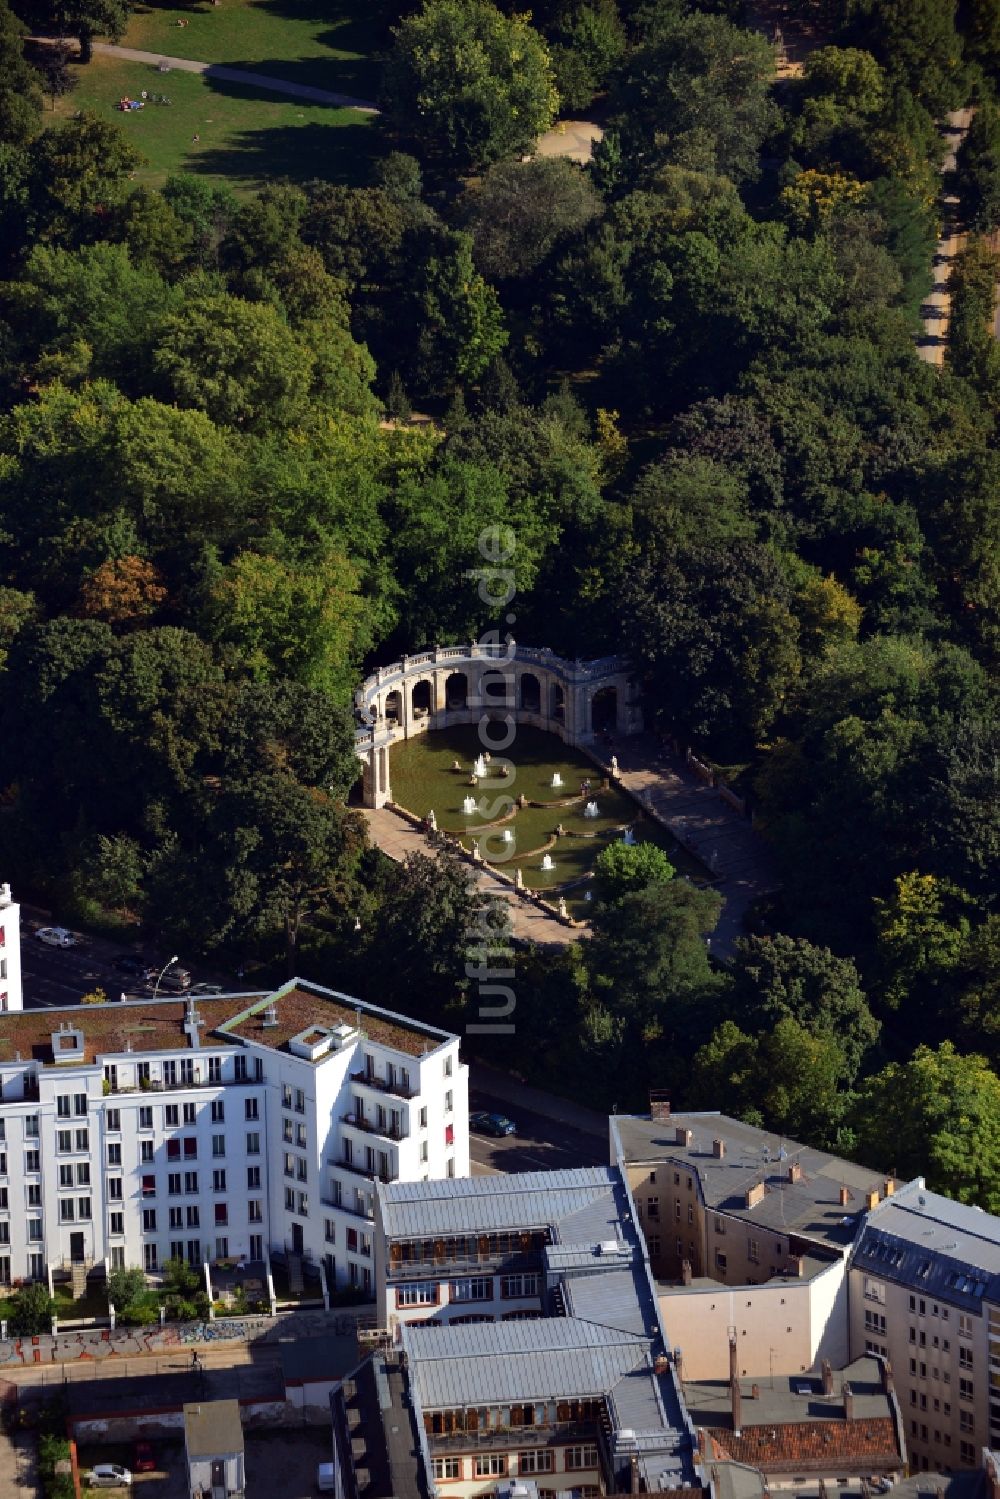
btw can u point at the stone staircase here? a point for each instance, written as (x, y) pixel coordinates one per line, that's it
(295, 1282)
(78, 1271)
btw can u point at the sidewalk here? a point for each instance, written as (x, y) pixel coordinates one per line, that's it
(397, 838)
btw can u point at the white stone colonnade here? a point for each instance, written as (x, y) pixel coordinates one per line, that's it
(506, 684)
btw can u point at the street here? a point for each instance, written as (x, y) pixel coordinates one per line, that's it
(53, 976)
(542, 1142)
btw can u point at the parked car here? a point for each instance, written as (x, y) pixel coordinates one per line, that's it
(109, 1476)
(207, 989)
(326, 1480)
(174, 980)
(144, 1459)
(497, 1125)
(132, 967)
(55, 936)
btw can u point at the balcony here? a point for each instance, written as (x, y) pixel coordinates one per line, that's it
(510, 1260)
(385, 1132)
(356, 1170)
(344, 1207)
(379, 1084)
(157, 1085)
(506, 1438)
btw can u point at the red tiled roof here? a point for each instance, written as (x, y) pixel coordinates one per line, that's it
(865, 1444)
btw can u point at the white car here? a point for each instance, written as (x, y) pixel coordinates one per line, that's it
(109, 1476)
(56, 936)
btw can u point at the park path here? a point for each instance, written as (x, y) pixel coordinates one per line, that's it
(703, 823)
(695, 813)
(397, 838)
(239, 75)
(936, 311)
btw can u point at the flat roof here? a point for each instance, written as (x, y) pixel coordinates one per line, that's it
(111, 1029)
(299, 1005)
(119, 1028)
(386, 1444)
(584, 1204)
(809, 1207)
(779, 1402)
(212, 1428)
(315, 1360)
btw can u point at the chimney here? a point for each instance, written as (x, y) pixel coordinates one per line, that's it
(755, 1194)
(5, 899)
(796, 1265)
(848, 1403)
(686, 1276)
(737, 1403)
(659, 1106)
(871, 1200)
(718, 1149)
(755, 1392)
(734, 1372)
(888, 1187)
(634, 1476)
(795, 1172)
(822, 1489)
(845, 1197)
(683, 1136)
(888, 1383)
(827, 1373)
(661, 1364)
(679, 1365)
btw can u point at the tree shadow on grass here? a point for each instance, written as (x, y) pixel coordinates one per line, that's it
(335, 153)
(357, 76)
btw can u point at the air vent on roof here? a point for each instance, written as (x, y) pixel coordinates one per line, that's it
(270, 1019)
(611, 1246)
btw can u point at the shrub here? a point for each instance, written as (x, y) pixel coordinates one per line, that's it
(32, 1309)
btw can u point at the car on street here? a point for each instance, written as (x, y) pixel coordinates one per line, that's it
(132, 967)
(497, 1125)
(109, 1476)
(206, 989)
(173, 980)
(144, 1459)
(55, 936)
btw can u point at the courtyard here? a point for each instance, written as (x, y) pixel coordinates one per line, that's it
(295, 1453)
(552, 777)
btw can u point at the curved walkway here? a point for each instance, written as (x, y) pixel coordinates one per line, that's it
(397, 838)
(239, 75)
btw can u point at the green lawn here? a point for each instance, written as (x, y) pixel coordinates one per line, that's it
(328, 45)
(422, 779)
(246, 136)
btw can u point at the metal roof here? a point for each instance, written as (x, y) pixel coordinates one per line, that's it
(611, 1300)
(937, 1247)
(553, 1358)
(584, 1198)
(809, 1208)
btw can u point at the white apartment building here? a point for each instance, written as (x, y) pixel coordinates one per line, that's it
(10, 952)
(227, 1127)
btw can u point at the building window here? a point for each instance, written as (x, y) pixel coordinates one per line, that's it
(580, 1457)
(253, 1178)
(114, 1189)
(720, 1260)
(448, 1101)
(287, 1131)
(149, 1220)
(176, 1217)
(149, 1258)
(171, 1116)
(191, 1182)
(966, 1390)
(417, 1293)
(874, 1321)
(32, 1160)
(253, 1144)
(967, 1453)
(63, 1106)
(65, 1176)
(300, 1101)
(79, 1103)
(116, 1223)
(218, 1111)
(490, 1465)
(113, 1119)
(34, 1230)
(966, 1421)
(964, 1325)
(423, 1117)
(218, 1145)
(221, 1215)
(255, 1213)
(118, 1257)
(330, 1231)
(250, 1109)
(67, 1212)
(472, 1288)
(447, 1467)
(145, 1117)
(540, 1461)
(514, 1286)
(190, 1113)
(219, 1181)
(146, 1151)
(289, 1199)
(64, 1141)
(965, 1358)
(303, 1205)
(753, 1251)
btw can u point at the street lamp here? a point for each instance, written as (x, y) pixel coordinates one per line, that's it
(168, 964)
